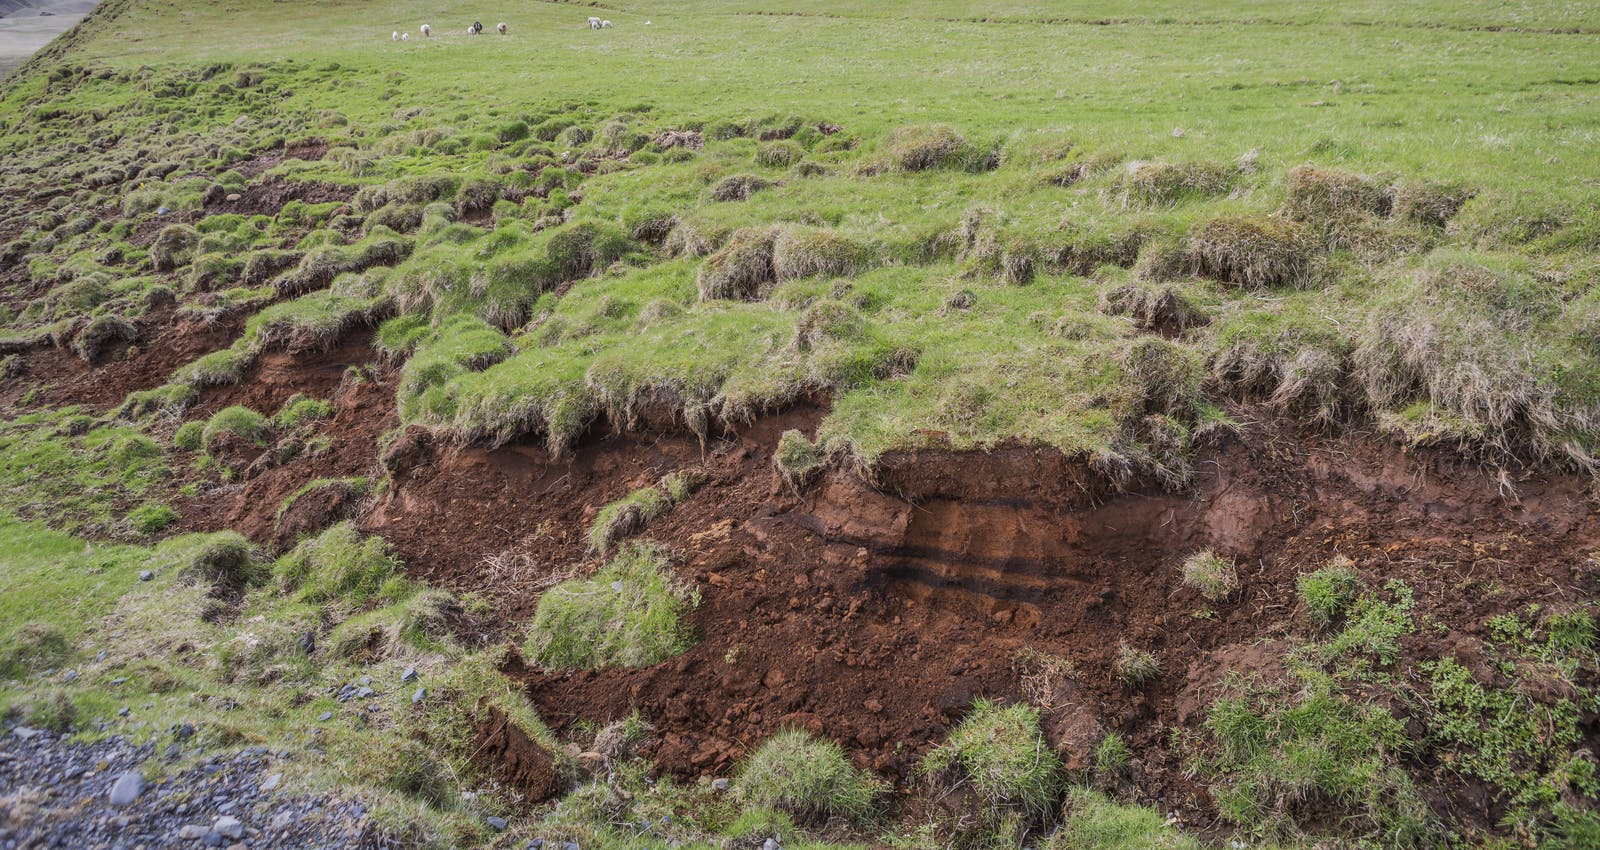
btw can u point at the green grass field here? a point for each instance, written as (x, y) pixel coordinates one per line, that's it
(1088, 226)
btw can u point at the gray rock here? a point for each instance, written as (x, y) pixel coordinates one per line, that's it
(26, 732)
(127, 788)
(419, 696)
(409, 676)
(146, 575)
(366, 680)
(720, 785)
(495, 823)
(123, 711)
(213, 839)
(184, 731)
(229, 827)
(308, 643)
(771, 844)
(271, 783)
(191, 832)
(325, 716)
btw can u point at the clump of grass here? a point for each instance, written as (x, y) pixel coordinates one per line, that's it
(1135, 667)
(299, 410)
(1112, 757)
(225, 558)
(51, 709)
(1162, 309)
(338, 566)
(1329, 195)
(100, 332)
(999, 752)
(173, 247)
(238, 420)
(35, 646)
(797, 460)
(1164, 183)
(1309, 739)
(1094, 821)
(1329, 591)
(1214, 576)
(627, 515)
(1429, 204)
(780, 154)
(738, 187)
(1252, 252)
(807, 778)
(741, 269)
(190, 436)
(801, 252)
(929, 146)
(630, 614)
(151, 518)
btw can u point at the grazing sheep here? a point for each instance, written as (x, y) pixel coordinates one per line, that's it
(427, 31)
(405, 36)
(395, 36)
(605, 25)
(477, 27)
(594, 23)
(501, 27)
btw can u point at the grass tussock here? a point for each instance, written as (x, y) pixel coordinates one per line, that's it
(1215, 577)
(797, 460)
(1252, 252)
(807, 778)
(930, 146)
(1150, 184)
(222, 559)
(1164, 309)
(742, 269)
(630, 614)
(1326, 194)
(999, 752)
(635, 510)
(337, 566)
(1328, 592)
(802, 252)
(1091, 820)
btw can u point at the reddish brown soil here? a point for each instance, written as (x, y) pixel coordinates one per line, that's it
(165, 343)
(876, 619)
(268, 195)
(362, 393)
(514, 758)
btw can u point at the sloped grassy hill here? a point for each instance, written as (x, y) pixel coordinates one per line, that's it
(1094, 230)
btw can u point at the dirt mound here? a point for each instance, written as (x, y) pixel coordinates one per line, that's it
(515, 758)
(269, 195)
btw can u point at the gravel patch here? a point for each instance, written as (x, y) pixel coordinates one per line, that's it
(56, 793)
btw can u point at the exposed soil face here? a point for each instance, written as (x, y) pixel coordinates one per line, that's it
(255, 503)
(876, 617)
(515, 758)
(166, 340)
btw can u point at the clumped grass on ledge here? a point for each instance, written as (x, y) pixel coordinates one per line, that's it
(630, 614)
(808, 778)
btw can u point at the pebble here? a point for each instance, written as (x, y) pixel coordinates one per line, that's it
(325, 716)
(190, 832)
(184, 731)
(409, 676)
(231, 197)
(127, 788)
(419, 696)
(229, 827)
(771, 844)
(146, 575)
(497, 824)
(270, 784)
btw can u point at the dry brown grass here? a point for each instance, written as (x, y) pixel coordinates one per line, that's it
(1163, 309)
(1255, 253)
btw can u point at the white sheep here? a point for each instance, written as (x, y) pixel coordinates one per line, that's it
(395, 36)
(405, 36)
(605, 25)
(594, 23)
(501, 27)
(427, 31)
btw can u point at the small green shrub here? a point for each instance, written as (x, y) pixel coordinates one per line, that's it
(1135, 667)
(807, 778)
(1329, 591)
(299, 410)
(190, 436)
(151, 517)
(237, 420)
(1094, 821)
(797, 460)
(630, 614)
(338, 566)
(224, 558)
(1214, 576)
(32, 648)
(625, 516)
(1001, 754)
